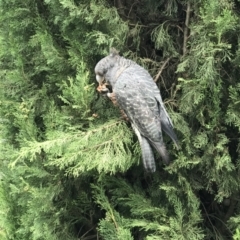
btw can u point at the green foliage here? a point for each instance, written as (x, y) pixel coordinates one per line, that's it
(6, 223)
(233, 115)
(163, 40)
(236, 235)
(70, 168)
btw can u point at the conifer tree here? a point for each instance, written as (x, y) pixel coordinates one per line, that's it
(71, 167)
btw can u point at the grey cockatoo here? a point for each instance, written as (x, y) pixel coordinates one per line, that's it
(134, 90)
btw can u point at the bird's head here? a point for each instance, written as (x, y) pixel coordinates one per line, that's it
(104, 66)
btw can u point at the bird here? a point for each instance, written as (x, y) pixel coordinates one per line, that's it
(132, 88)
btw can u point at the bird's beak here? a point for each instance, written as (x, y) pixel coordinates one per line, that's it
(99, 79)
(102, 86)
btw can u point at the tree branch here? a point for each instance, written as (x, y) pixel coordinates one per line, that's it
(161, 69)
(185, 33)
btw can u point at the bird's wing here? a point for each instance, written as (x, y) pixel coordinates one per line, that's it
(167, 126)
(141, 109)
(149, 88)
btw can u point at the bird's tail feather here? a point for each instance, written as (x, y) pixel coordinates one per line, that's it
(161, 149)
(147, 155)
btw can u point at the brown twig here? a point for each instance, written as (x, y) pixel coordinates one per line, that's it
(131, 8)
(185, 33)
(87, 232)
(213, 227)
(120, 8)
(161, 69)
(164, 84)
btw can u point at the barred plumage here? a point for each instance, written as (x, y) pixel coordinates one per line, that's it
(138, 95)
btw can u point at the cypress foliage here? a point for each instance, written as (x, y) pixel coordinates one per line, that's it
(71, 167)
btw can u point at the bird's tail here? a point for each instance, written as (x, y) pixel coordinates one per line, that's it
(161, 149)
(147, 155)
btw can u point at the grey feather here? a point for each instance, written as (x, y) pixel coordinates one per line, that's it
(166, 121)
